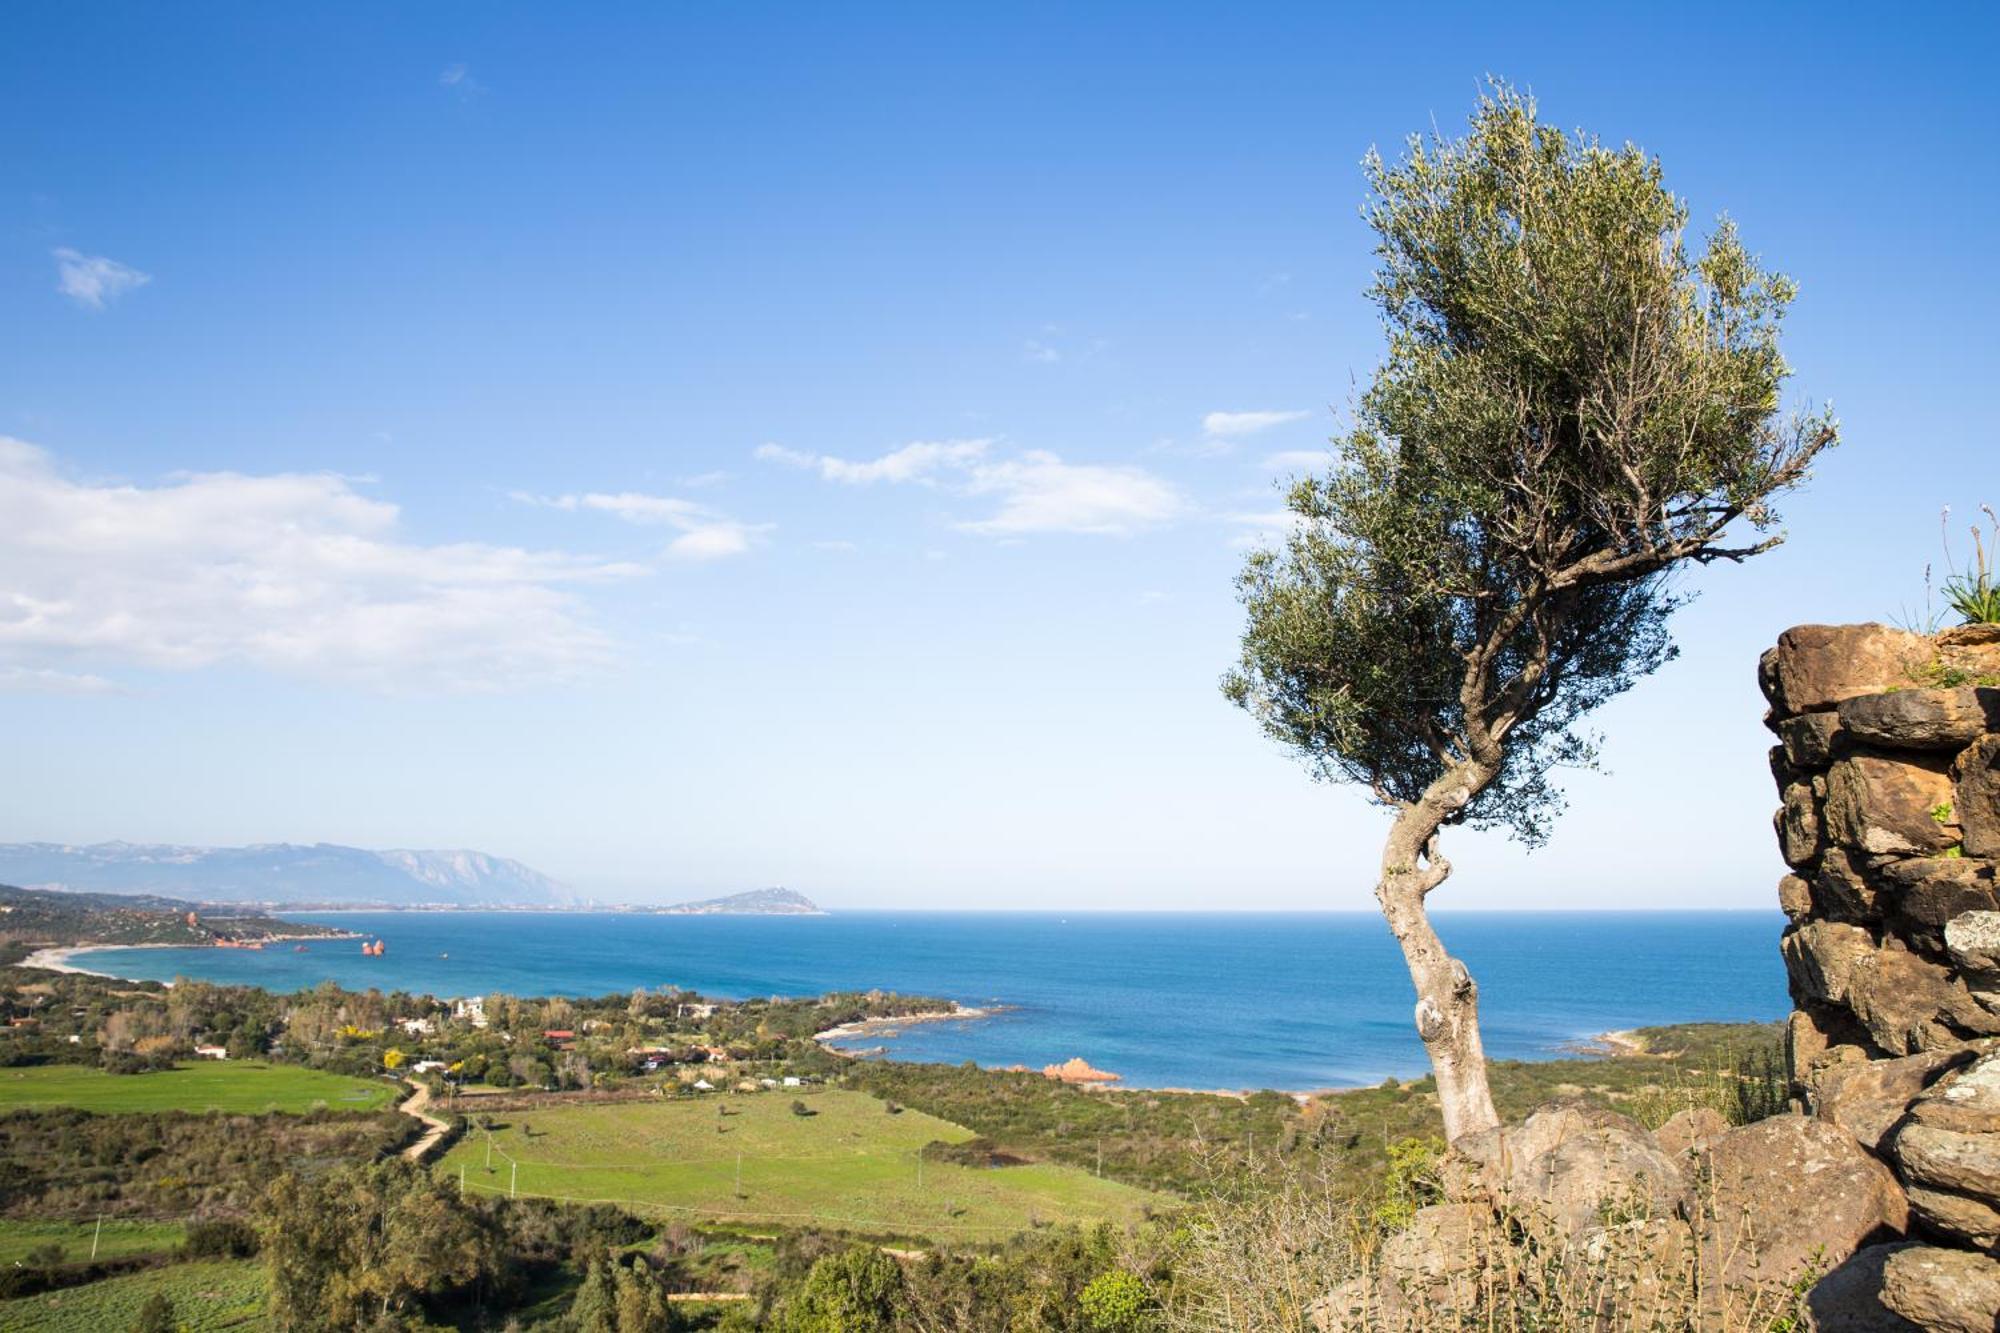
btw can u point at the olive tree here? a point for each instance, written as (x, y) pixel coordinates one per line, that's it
(1574, 403)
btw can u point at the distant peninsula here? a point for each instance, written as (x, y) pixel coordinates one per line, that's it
(284, 875)
(754, 902)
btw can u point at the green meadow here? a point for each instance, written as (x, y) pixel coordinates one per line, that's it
(247, 1086)
(205, 1296)
(118, 1237)
(852, 1164)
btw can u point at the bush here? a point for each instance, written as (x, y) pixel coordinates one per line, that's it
(220, 1238)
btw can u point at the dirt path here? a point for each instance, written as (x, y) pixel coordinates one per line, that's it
(434, 1129)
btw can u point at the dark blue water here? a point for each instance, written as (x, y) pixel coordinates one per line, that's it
(1287, 1001)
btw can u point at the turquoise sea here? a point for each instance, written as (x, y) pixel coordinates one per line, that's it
(1196, 1000)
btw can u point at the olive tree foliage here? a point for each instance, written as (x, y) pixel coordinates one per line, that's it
(1575, 401)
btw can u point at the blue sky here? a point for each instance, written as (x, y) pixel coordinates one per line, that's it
(692, 450)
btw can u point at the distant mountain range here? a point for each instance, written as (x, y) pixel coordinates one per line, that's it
(284, 873)
(755, 902)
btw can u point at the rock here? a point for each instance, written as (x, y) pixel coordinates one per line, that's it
(1967, 1101)
(1823, 957)
(1077, 1070)
(1794, 897)
(1949, 1159)
(1690, 1130)
(1849, 1298)
(1973, 940)
(1869, 1098)
(1889, 803)
(1786, 1191)
(1931, 890)
(1442, 1241)
(1970, 650)
(1842, 890)
(1947, 1291)
(1798, 825)
(1909, 1004)
(1956, 1216)
(1572, 1161)
(1807, 739)
(1814, 667)
(1921, 719)
(1976, 797)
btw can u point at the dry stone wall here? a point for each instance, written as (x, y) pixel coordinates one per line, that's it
(1888, 772)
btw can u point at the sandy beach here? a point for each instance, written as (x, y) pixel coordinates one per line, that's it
(889, 1026)
(57, 957)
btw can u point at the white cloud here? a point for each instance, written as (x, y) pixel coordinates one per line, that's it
(1041, 493)
(912, 462)
(453, 76)
(44, 680)
(1299, 460)
(1233, 425)
(291, 572)
(1040, 353)
(704, 534)
(94, 281)
(1037, 491)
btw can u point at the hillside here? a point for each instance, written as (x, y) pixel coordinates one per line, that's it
(289, 874)
(754, 902)
(35, 917)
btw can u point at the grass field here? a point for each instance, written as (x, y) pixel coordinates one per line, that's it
(212, 1085)
(120, 1236)
(851, 1165)
(207, 1296)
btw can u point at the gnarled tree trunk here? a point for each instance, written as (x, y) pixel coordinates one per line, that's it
(1447, 997)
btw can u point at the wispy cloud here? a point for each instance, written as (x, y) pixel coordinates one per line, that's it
(1264, 528)
(1038, 492)
(913, 462)
(292, 572)
(458, 79)
(95, 281)
(1040, 353)
(704, 534)
(45, 680)
(1035, 491)
(1235, 425)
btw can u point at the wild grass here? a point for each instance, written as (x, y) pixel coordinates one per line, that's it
(204, 1296)
(236, 1086)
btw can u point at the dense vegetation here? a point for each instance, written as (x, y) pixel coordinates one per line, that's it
(33, 917)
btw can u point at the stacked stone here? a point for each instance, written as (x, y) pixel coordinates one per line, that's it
(1889, 772)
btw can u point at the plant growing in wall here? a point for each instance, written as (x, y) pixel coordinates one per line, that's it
(1574, 402)
(1974, 593)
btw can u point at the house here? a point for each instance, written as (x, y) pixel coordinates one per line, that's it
(417, 1027)
(429, 1067)
(470, 1009)
(695, 1010)
(793, 1081)
(703, 1085)
(212, 1052)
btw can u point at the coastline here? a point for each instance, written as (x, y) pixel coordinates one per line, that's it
(862, 1027)
(57, 957)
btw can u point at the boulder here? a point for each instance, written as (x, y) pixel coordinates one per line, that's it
(1814, 667)
(1787, 1192)
(1958, 1217)
(1910, 1004)
(1823, 957)
(1921, 719)
(1842, 889)
(1949, 1159)
(1849, 1298)
(1794, 897)
(1970, 650)
(1692, 1130)
(1948, 1291)
(1807, 739)
(1798, 825)
(1869, 1098)
(1573, 1162)
(1967, 1101)
(1973, 940)
(1931, 890)
(1890, 803)
(1976, 797)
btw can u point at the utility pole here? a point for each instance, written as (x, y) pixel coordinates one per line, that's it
(1100, 1159)
(739, 1174)
(461, 1180)
(920, 1168)
(513, 1173)
(489, 1150)
(94, 1235)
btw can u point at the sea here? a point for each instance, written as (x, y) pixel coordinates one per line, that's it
(1291, 1001)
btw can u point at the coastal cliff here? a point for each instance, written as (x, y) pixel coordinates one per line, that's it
(1888, 771)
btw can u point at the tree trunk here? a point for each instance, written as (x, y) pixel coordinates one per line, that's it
(1447, 998)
